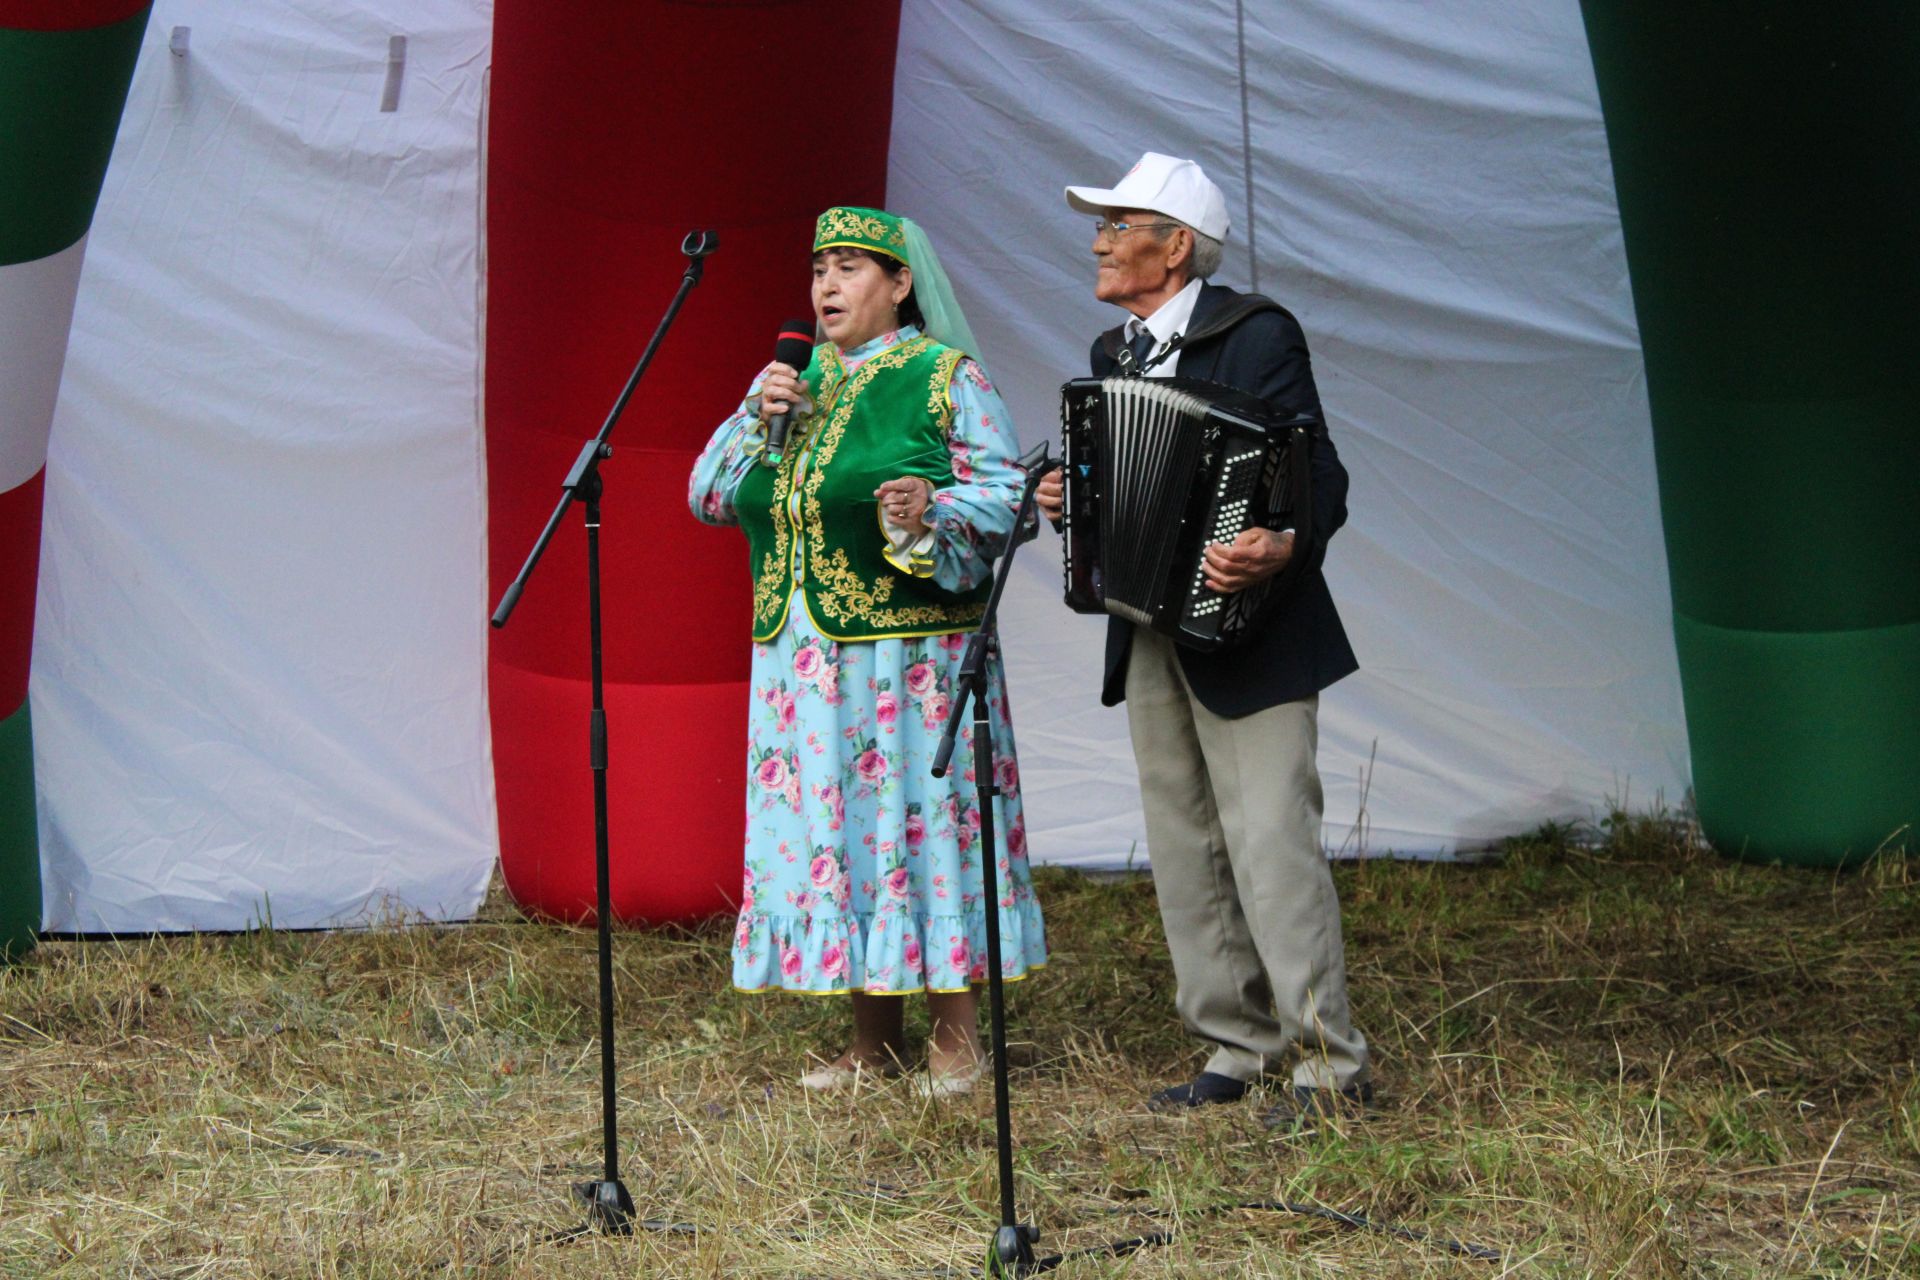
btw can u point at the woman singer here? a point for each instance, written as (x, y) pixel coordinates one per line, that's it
(871, 544)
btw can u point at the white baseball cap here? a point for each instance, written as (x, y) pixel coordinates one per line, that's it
(1162, 184)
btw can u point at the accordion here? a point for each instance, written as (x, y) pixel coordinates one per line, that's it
(1157, 470)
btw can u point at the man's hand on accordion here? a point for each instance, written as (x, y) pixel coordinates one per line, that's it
(1254, 556)
(1051, 495)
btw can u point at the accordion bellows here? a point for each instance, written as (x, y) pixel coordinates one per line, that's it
(1157, 470)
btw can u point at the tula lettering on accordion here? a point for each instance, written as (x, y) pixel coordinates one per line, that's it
(1157, 470)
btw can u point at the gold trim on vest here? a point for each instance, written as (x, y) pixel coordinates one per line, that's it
(845, 601)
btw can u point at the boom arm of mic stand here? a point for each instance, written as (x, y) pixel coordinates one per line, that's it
(970, 668)
(574, 485)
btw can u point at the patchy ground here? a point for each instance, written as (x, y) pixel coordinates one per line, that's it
(1618, 1056)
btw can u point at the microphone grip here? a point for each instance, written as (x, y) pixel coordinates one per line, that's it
(777, 436)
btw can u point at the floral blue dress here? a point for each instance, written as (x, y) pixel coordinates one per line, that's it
(862, 869)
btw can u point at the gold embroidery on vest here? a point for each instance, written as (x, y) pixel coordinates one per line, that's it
(774, 586)
(843, 593)
(769, 600)
(940, 392)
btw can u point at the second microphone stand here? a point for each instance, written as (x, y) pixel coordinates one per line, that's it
(1011, 1253)
(609, 1205)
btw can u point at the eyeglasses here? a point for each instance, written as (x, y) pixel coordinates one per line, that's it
(1108, 227)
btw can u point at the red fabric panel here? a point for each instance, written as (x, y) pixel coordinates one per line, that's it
(615, 128)
(676, 796)
(675, 604)
(66, 15)
(19, 576)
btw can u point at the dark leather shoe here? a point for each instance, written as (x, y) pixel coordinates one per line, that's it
(1303, 1109)
(1203, 1090)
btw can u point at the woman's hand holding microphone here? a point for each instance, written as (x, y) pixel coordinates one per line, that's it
(781, 391)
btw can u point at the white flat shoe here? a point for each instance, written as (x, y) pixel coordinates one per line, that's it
(949, 1084)
(834, 1076)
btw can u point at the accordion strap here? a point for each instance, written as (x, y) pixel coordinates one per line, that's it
(1238, 308)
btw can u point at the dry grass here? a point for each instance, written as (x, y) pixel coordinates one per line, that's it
(1617, 1057)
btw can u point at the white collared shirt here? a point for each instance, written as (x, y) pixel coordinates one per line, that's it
(1165, 324)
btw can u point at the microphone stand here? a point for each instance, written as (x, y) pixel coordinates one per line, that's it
(609, 1206)
(1011, 1253)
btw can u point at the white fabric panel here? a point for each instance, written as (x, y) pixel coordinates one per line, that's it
(36, 310)
(1434, 201)
(259, 661)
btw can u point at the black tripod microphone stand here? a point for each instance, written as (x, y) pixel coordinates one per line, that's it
(609, 1206)
(1011, 1253)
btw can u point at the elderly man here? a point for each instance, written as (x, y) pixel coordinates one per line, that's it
(1225, 741)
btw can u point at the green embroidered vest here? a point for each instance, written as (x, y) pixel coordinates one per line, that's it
(813, 523)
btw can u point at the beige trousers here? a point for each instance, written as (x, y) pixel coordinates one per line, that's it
(1252, 919)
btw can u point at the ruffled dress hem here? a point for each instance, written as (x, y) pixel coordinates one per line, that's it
(887, 953)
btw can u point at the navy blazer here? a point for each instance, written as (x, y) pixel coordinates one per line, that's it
(1299, 647)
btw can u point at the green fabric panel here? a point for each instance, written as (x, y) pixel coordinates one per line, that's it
(884, 420)
(1762, 155)
(61, 94)
(19, 839)
(1806, 745)
(1762, 160)
(1792, 515)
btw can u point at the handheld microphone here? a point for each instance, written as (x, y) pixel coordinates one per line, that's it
(794, 347)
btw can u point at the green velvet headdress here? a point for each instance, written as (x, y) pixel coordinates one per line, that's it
(847, 227)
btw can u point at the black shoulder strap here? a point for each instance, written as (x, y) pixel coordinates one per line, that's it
(1237, 308)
